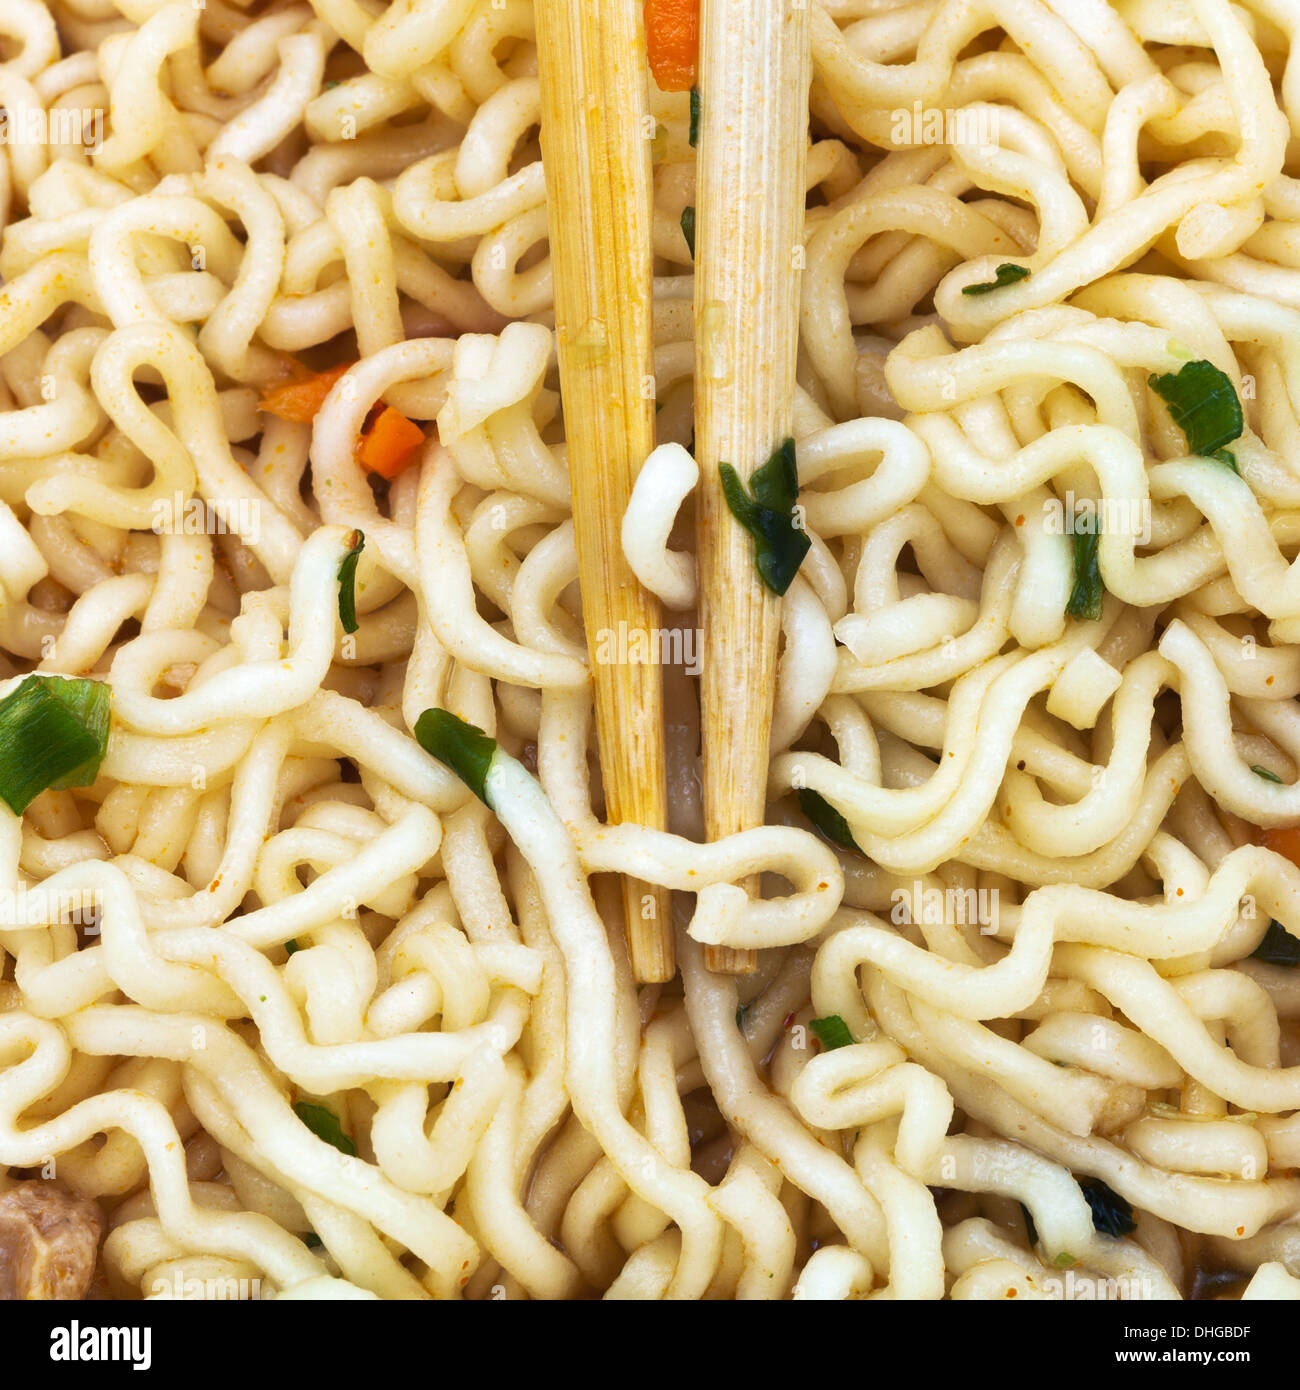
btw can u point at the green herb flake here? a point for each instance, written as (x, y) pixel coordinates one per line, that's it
(1111, 1214)
(831, 1031)
(1007, 274)
(695, 117)
(348, 584)
(1031, 1230)
(780, 543)
(1266, 774)
(826, 818)
(325, 1124)
(464, 747)
(90, 704)
(53, 734)
(292, 945)
(1086, 596)
(1278, 947)
(1204, 405)
(1065, 1260)
(688, 228)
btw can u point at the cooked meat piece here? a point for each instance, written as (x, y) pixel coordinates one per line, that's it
(48, 1242)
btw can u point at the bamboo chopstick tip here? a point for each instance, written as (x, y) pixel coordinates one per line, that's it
(648, 914)
(598, 175)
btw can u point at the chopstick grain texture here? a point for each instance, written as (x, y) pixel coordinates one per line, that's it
(754, 76)
(597, 159)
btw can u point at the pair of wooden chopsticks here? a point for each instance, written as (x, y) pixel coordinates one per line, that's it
(753, 80)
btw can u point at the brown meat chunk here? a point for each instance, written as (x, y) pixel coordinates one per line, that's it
(48, 1242)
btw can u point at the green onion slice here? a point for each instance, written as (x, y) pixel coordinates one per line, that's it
(1007, 274)
(53, 734)
(826, 818)
(769, 516)
(325, 1124)
(831, 1031)
(688, 228)
(1278, 947)
(1086, 595)
(1204, 405)
(465, 748)
(695, 116)
(1111, 1214)
(1266, 775)
(348, 584)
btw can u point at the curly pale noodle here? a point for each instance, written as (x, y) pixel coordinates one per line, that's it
(1042, 941)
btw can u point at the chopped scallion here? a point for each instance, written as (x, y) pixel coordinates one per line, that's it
(826, 818)
(1086, 595)
(348, 584)
(1278, 947)
(325, 1124)
(1007, 274)
(1111, 1214)
(53, 734)
(780, 544)
(831, 1031)
(1204, 405)
(688, 228)
(464, 747)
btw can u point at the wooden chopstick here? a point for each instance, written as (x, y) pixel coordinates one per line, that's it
(597, 159)
(753, 79)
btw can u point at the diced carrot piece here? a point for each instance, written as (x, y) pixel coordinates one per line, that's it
(390, 443)
(672, 34)
(1284, 841)
(300, 401)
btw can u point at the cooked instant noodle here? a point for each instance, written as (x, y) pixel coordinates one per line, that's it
(287, 1009)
